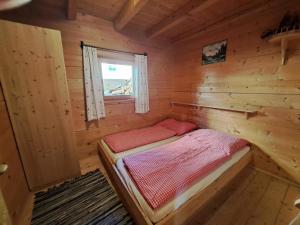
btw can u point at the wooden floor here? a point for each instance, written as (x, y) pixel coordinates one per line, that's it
(253, 199)
(90, 164)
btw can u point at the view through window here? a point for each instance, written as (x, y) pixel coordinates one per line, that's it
(117, 79)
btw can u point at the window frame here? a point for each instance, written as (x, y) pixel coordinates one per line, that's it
(117, 62)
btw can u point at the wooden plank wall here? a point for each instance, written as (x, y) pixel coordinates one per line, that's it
(100, 32)
(251, 76)
(13, 183)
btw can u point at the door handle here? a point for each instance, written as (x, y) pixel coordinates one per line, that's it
(3, 168)
(297, 203)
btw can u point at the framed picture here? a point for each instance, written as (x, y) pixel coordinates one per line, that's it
(214, 53)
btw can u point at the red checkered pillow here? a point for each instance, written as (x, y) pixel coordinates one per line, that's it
(179, 127)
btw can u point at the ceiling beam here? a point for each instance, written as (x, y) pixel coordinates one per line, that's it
(223, 22)
(180, 15)
(72, 10)
(127, 13)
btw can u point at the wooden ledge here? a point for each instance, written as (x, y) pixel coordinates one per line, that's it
(289, 36)
(119, 101)
(248, 112)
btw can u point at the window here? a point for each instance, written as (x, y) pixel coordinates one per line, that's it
(117, 79)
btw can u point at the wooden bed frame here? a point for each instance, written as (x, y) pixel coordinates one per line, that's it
(184, 212)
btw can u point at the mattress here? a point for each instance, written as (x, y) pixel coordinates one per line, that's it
(116, 156)
(158, 214)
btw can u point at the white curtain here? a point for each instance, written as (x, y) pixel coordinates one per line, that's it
(93, 84)
(141, 84)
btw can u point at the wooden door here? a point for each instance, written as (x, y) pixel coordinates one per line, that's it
(13, 182)
(33, 78)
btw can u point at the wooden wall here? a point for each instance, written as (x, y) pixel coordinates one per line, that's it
(99, 32)
(251, 77)
(13, 183)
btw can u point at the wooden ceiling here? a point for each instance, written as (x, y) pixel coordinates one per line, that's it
(171, 20)
(106, 9)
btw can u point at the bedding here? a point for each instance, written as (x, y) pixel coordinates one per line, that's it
(180, 127)
(168, 170)
(158, 214)
(126, 140)
(116, 156)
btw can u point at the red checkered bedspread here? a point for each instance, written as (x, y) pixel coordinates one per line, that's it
(166, 171)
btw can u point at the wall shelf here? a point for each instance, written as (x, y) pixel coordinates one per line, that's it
(283, 39)
(248, 112)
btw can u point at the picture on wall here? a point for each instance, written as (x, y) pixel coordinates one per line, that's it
(214, 53)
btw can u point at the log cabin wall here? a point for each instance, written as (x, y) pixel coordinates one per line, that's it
(99, 32)
(251, 76)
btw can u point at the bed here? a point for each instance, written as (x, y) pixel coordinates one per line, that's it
(133, 141)
(182, 206)
(157, 215)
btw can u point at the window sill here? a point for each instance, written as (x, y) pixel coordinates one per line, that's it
(118, 100)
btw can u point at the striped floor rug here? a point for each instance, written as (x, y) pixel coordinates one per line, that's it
(87, 200)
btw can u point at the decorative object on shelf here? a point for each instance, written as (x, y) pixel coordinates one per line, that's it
(288, 30)
(290, 22)
(214, 53)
